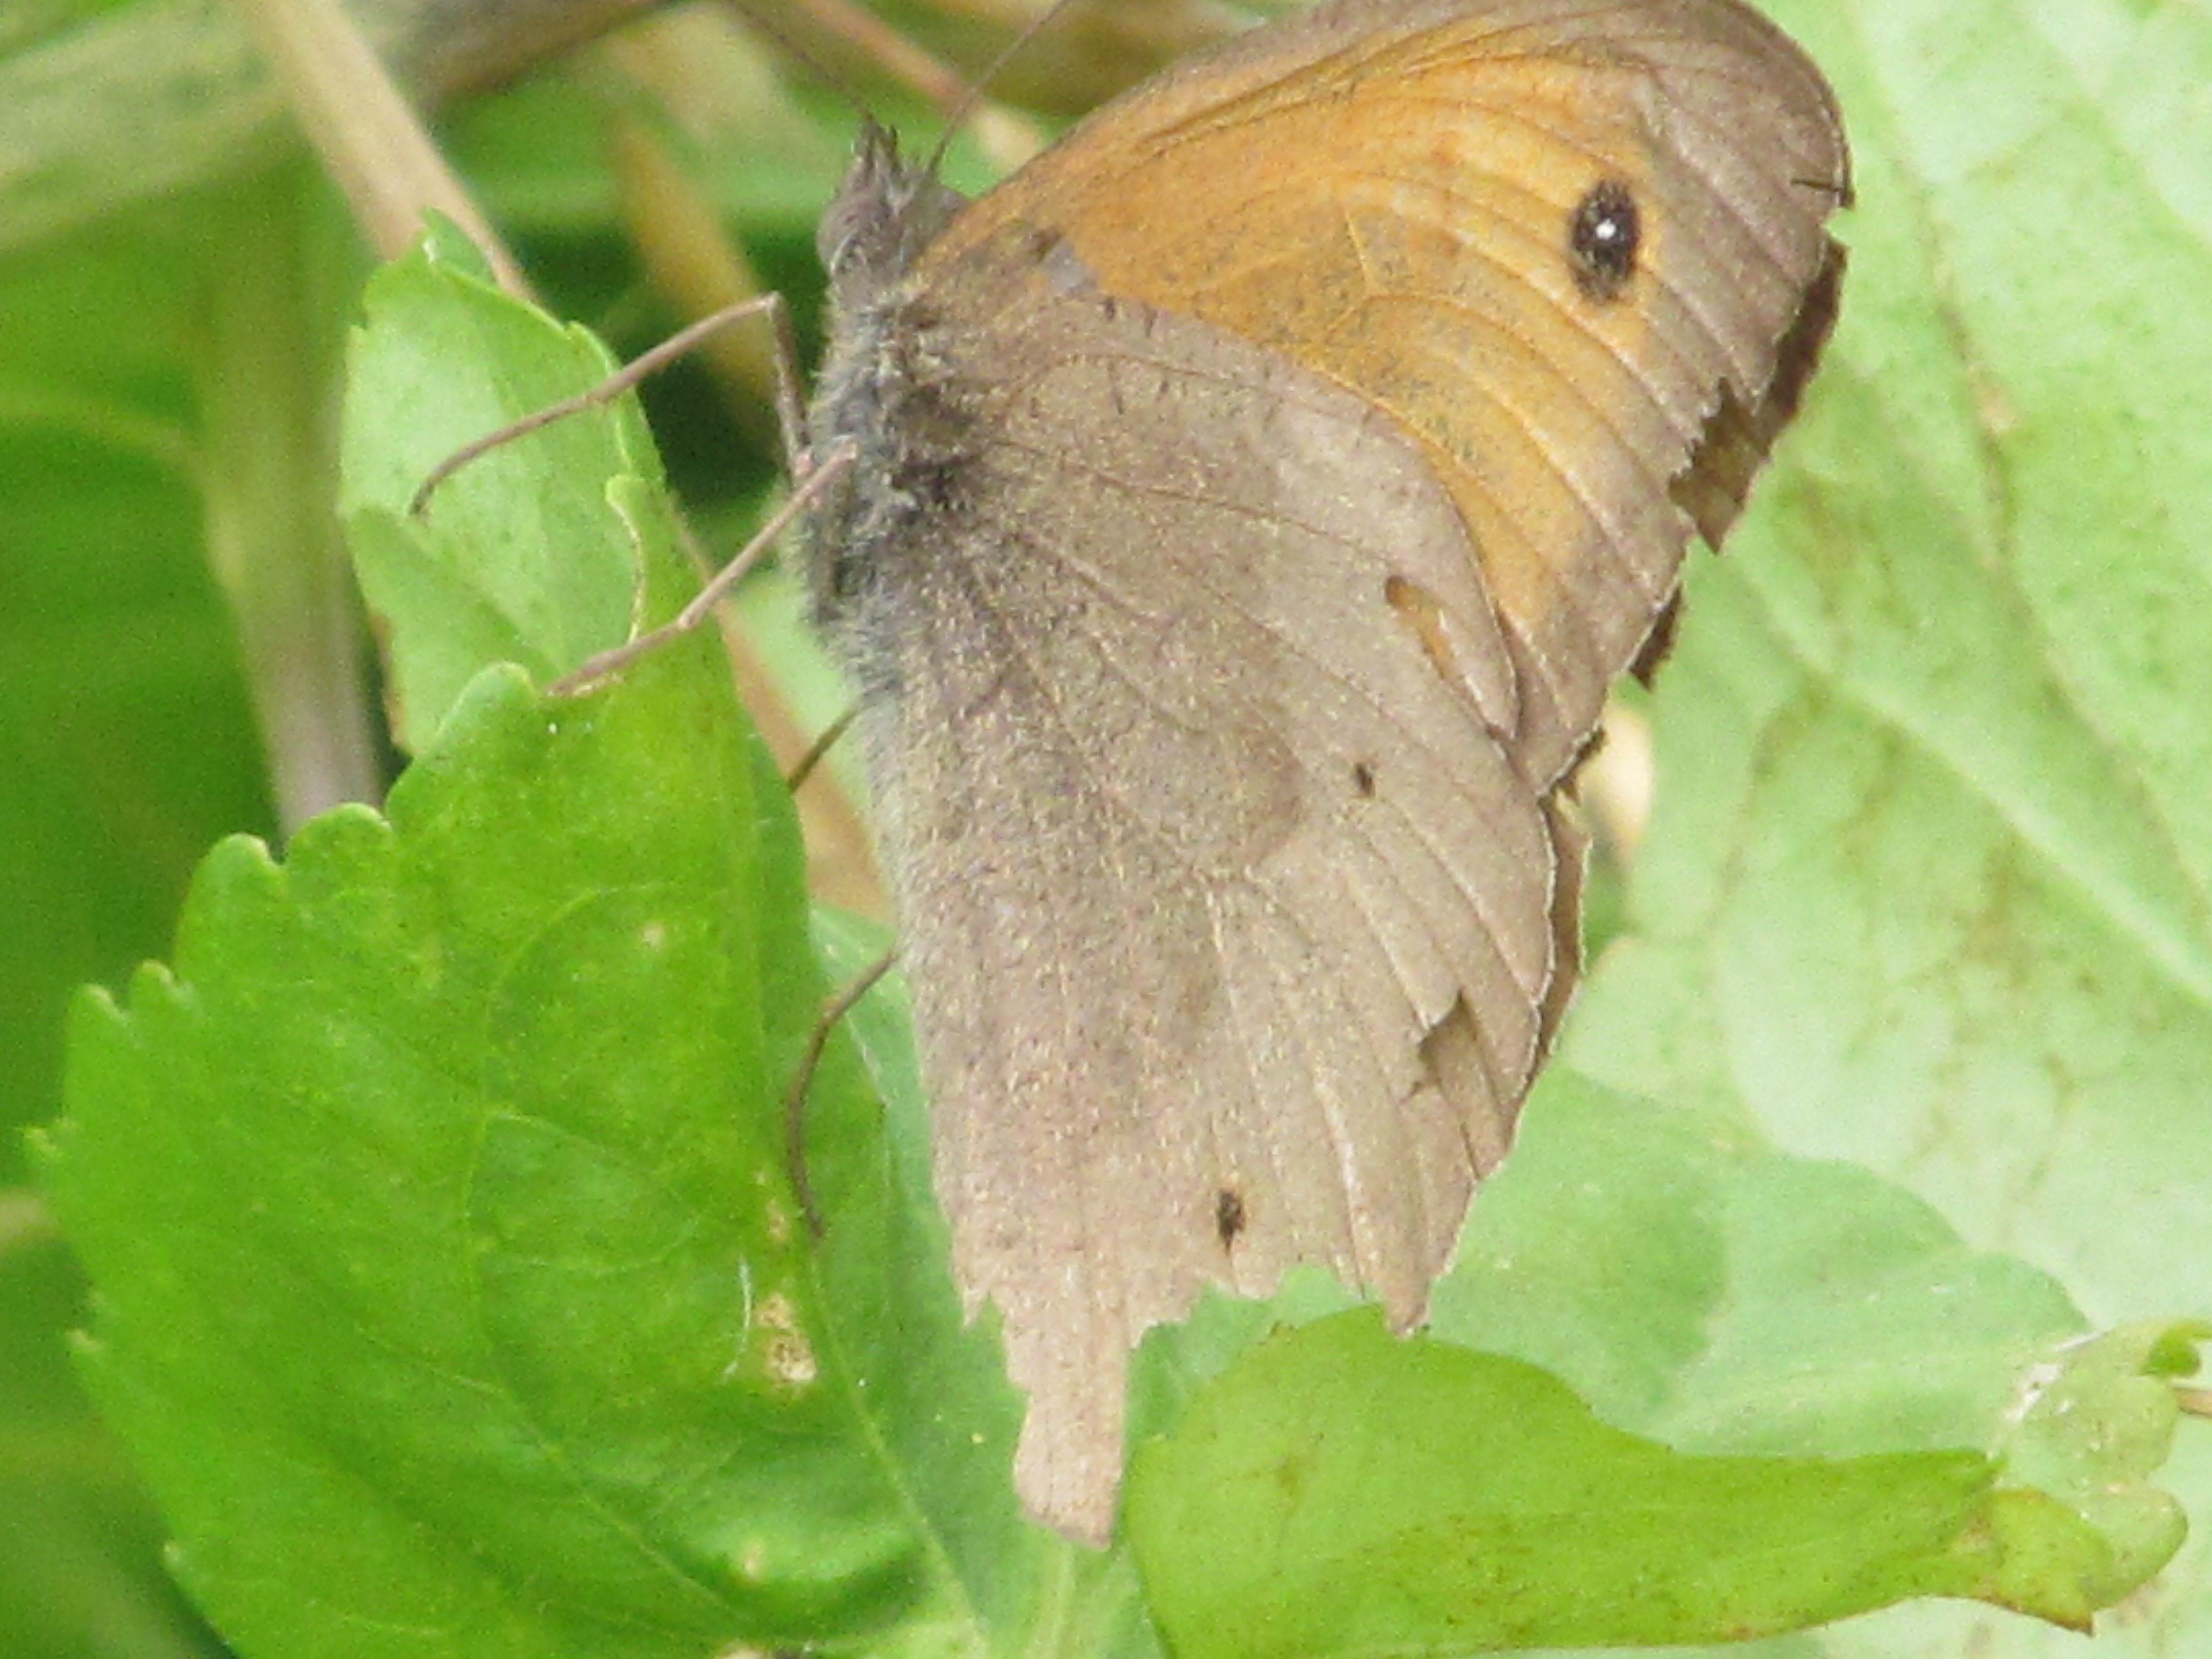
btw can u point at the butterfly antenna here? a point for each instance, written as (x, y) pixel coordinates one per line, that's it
(964, 107)
(762, 21)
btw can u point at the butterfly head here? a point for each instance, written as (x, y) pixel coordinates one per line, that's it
(886, 211)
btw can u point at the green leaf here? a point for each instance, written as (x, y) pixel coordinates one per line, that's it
(2089, 1425)
(1695, 1286)
(1339, 1491)
(455, 1292)
(1926, 884)
(528, 554)
(379, 1225)
(1836, 1405)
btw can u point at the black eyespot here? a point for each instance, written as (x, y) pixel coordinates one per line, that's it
(1362, 780)
(1601, 240)
(1228, 1215)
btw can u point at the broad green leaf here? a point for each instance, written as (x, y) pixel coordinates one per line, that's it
(471, 577)
(80, 1539)
(1695, 1286)
(1836, 1405)
(453, 1292)
(1926, 886)
(1339, 1491)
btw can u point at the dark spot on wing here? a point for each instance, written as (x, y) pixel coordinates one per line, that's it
(1601, 240)
(1229, 1217)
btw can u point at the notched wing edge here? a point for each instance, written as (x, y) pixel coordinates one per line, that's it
(1737, 436)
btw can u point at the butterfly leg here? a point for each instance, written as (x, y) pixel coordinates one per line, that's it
(802, 1080)
(803, 768)
(822, 470)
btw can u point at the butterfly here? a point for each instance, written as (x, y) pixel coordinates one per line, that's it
(1244, 510)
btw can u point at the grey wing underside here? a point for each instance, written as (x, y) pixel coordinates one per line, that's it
(1230, 921)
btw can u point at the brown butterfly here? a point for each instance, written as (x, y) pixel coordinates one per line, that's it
(1253, 499)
